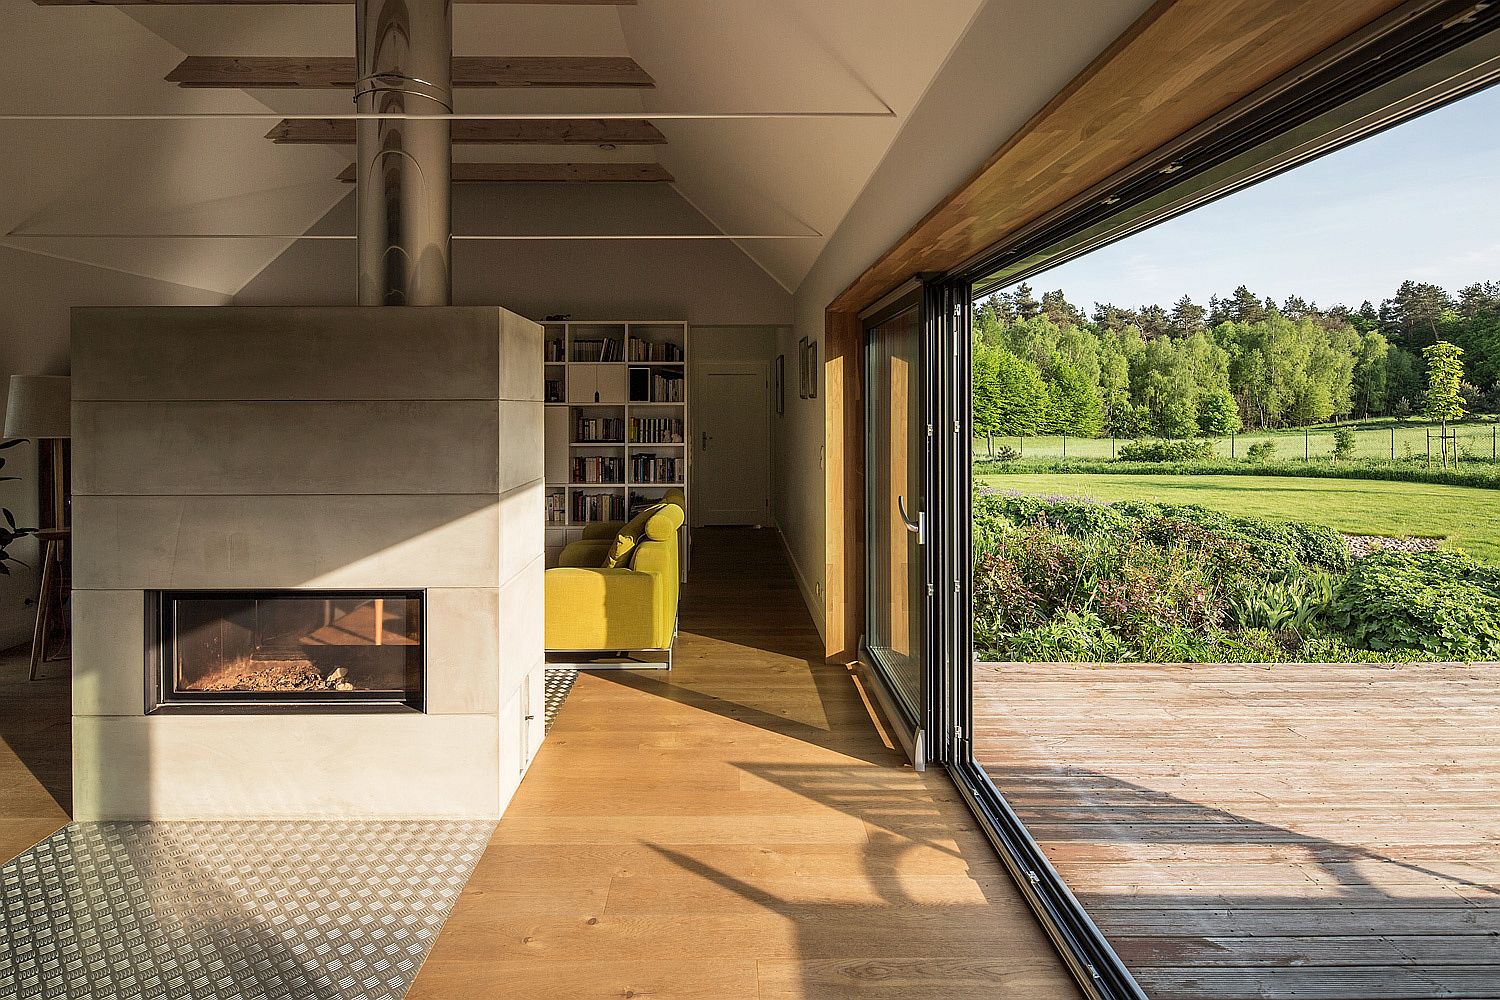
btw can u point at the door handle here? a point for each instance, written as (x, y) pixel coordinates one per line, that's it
(917, 527)
(705, 441)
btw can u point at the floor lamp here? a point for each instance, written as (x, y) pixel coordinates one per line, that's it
(40, 407)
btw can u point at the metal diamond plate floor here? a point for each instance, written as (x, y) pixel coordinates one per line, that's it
(230, 911)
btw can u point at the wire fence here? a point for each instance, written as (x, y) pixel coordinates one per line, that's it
(1394, 442)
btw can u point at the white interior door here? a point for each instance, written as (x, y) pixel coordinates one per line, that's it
(731, 445)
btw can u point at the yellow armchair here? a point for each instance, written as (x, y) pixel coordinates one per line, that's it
(631, 606)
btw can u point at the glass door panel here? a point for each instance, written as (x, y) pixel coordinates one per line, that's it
(895, 463)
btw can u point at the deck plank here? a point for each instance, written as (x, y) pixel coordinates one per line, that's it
(1266, 832)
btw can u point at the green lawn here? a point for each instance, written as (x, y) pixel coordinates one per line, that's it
(1376, 439)
(1467, 518)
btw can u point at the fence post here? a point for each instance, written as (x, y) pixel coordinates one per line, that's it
(1065, 446)
(1306, 445)
(1111, 447)
(1393, 442)
(1493, 441)
(1023, 445)
(1231, 444)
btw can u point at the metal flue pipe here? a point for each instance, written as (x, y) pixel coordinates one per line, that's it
(403, 168)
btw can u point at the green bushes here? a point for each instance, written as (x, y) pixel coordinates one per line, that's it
(1261, 451)
(1443, 604)
(1073, 580)
(1166, 451)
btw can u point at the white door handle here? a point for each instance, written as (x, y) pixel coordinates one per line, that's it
(917, 527)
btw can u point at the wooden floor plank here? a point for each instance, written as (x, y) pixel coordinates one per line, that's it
(1267, 832)
(36, 752)
(756, 836)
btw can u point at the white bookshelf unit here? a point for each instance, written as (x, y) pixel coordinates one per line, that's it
(617, 422)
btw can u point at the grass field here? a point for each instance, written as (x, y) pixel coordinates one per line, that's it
(1377, 439)
(1464, 517)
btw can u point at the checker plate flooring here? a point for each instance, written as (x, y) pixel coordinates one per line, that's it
(559, 681)
(230, 910)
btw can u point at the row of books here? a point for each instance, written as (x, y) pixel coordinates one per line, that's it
(649, 350)
(556, 352)
(597, 350)
(557, 508)
(651, 469)
(599, 430)
(596, 469)
(656, 430)
(588, 507)
(647, 386)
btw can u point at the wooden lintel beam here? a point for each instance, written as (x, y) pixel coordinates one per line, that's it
(550, 173)
(533, 132)
(338, 72)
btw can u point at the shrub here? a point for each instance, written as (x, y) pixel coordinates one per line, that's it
(1166, 451)
(1443, 604)
(1005, 453)
(1261, 451)
(1343, 444)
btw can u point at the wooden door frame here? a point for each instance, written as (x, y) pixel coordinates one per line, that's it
(1180, 66)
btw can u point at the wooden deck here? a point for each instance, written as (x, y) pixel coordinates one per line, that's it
(1268, 832)
(736, 829)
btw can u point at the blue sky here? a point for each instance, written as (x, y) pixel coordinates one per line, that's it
(1419, 201)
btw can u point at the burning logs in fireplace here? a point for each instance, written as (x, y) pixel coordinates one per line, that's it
(275, 675)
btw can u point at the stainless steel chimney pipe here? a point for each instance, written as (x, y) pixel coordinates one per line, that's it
(403, 168)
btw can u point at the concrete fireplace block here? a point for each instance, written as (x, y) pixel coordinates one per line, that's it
(287, 541)
(522, 527)
(198, 353)
(464, 629)
(369, 446)
(405, 766)
(522, 339)
(295, 449)
(523, 421)
(520, 623)
(109, 637)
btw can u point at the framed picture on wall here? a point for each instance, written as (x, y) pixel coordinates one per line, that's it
(779, 385)
(802, 370)
(812, 370)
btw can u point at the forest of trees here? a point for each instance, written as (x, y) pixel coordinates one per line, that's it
(1044, 367)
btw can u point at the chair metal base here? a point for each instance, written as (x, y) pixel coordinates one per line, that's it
(622, 653)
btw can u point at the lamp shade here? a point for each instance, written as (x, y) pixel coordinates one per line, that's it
(39, 406)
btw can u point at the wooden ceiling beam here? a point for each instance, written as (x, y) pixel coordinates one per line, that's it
(533, 132)
(309, 3)
(338, 72)
(550, 173)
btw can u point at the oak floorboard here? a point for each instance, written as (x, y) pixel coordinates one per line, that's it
(36, 752)
(756, 835)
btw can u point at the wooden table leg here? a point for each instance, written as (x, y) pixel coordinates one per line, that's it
(43, 609)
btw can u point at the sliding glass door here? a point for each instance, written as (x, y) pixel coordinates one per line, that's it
(896, 454)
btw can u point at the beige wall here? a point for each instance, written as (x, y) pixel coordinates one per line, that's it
(702, 282)
(36, 294)
(1009, 64)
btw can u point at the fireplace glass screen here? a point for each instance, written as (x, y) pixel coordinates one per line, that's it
(291, 647)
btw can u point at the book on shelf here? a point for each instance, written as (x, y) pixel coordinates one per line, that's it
(648, 386)
(656, 430)
(591, 507)
(648, 468)
(557, 507)
(597, 470)
(650, 350)
(597, 351)
(598, 430)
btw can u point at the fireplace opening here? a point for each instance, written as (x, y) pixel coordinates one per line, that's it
(258, 649)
